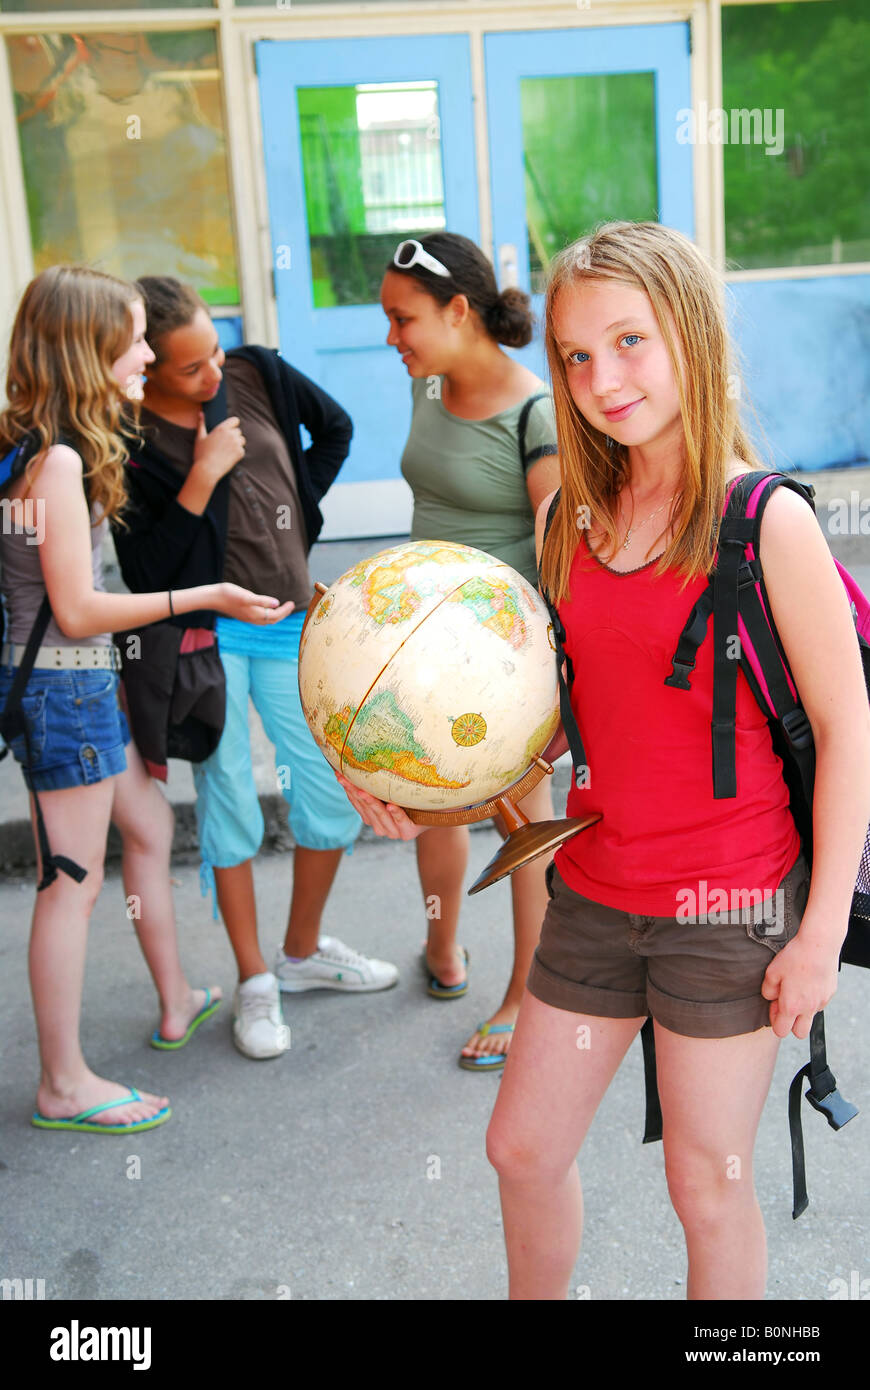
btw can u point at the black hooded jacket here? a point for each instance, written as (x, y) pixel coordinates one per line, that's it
(164, 546)
(176, 699)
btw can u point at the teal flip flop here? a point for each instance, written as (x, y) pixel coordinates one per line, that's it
(493, 1061)
(436, 990)
(173, 1044)
(80, 1122)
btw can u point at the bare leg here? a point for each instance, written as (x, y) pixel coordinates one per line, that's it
(709, 1138)
(314, 871)
(77, 820)
(145, 820)
(235, 895)
(529, 897)
(549, 1093)
(442, 858)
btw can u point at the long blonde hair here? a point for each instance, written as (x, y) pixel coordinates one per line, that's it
(687, 299)
(72, 324)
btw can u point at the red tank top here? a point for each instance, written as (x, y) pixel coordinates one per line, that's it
(650, 761)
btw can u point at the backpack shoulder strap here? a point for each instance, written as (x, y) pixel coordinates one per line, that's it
(543, 450)
(564, 665)
(13, 723)
(728, 598)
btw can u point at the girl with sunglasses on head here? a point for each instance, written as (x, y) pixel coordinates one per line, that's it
(75, 360)
(480, 456)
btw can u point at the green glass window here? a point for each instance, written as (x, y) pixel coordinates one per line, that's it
(797, 177)
(589, 151)
(371, 158)
(122, 142)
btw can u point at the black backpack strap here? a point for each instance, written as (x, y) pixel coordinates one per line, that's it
(823, 1096)
(758, 621)
(543, 450)
(735, 532)
(13, 723)
(691, 637)
(652, 1127)
(569, 723)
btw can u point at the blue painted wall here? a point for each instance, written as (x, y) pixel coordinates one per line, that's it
(805, 346)
(229, 332)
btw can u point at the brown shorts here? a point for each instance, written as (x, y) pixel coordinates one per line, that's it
(699, 973)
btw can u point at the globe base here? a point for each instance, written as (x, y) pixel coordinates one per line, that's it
(528, 841)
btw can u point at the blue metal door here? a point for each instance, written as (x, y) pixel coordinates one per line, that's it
(371, 140)
(583, 128)
(367, 141)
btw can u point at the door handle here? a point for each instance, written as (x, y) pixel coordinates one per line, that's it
(508, 267)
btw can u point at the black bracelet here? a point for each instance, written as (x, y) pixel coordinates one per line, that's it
(171, 609)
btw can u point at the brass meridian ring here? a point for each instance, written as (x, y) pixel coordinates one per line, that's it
(467, 815)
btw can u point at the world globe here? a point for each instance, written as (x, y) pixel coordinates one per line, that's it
(427, 676)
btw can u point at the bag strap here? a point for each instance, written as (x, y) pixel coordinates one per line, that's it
(13, 723)
(822, 1096)
(733, 597)
(564, 664)
(652, 1128)
(543, 450)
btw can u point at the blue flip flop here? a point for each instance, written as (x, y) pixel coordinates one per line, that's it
(173, 1044)
(80, 1122)
(493, 1061)
(437, 990)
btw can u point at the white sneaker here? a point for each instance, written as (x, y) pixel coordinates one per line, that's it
(334, 966)
(258, 1027)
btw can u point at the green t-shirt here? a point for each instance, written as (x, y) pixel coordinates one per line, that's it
(467, 479)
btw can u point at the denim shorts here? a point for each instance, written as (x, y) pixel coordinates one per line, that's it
(77, 728)
(697, 977)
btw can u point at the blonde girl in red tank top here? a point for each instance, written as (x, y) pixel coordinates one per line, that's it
(649, 438)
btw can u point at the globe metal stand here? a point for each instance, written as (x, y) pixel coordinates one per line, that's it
(526, 840)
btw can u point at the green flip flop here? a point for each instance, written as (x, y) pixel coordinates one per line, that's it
(436, 990)
(173, 1044)
(80, 1122)
(493, 1061)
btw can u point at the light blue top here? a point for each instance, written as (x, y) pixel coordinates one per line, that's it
(280, 641)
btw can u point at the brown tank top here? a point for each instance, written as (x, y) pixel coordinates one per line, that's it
(21, 581)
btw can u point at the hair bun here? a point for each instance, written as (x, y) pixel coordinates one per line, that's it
(510, 319)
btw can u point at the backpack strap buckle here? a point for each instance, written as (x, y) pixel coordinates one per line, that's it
(836, 1109)
(798, 728)
(679, 677)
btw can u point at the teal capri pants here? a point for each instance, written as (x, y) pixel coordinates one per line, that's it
(227, 808)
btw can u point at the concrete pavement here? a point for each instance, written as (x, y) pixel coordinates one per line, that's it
(353, 1168)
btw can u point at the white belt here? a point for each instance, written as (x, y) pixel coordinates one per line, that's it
(106, 657)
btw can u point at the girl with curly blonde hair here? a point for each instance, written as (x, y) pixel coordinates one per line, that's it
(76, 357)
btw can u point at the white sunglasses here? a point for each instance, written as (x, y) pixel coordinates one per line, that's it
(418, 256)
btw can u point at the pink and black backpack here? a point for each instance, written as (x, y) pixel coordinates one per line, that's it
(737, 601)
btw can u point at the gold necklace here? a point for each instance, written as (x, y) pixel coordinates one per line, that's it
(629, 533)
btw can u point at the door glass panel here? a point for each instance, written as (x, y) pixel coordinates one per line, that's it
(589, 154)
(371, 157)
